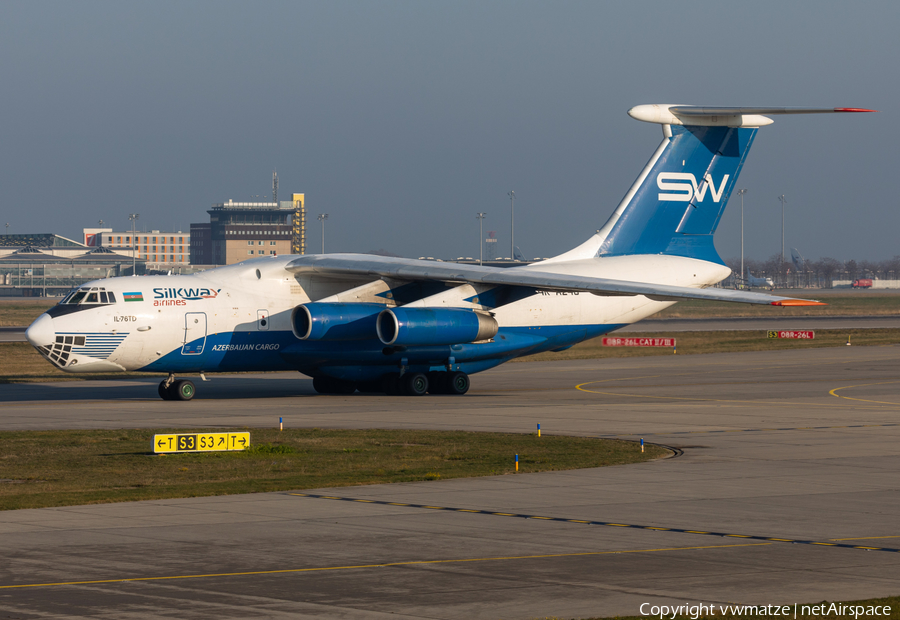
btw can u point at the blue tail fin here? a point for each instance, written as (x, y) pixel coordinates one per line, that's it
(677, 205)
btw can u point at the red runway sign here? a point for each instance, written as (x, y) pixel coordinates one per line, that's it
(639, 342)
(789, 334)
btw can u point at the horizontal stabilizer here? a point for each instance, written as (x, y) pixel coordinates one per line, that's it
(721, 116)
(690, 110)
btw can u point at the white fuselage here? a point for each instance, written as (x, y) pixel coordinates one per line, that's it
(239, 317)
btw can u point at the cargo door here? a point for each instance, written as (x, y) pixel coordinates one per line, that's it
(194, 333)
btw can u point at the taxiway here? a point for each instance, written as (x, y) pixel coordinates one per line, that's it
(782, 456)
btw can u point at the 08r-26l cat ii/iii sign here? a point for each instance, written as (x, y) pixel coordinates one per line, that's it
(400, 326)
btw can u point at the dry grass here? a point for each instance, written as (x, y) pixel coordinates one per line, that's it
(21, 363)
(22, 312)
(61, 468)
(850, 303)
(692, 343)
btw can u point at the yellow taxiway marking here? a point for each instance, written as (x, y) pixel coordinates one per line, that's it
(634, 526)
(363, 566)
(581, 388)
(863, 400)
(865, 538)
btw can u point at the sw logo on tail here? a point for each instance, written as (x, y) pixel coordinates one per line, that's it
(691, 190)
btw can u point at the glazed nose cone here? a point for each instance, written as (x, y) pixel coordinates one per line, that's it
(41, 332)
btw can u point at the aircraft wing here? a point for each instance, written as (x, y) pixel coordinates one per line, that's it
(338, 265)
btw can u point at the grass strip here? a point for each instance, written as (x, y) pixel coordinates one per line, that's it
(693, 343)
(21, 363)
(850, 303)
(74, 467)
(823, 610)
(21, 312)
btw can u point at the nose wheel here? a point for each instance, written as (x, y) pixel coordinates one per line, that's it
(170, 389)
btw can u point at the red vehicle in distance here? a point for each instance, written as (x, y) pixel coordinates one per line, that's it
(862, 283)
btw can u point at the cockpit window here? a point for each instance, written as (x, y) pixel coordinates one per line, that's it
(77, 297)
(95, 295)
(85, 298)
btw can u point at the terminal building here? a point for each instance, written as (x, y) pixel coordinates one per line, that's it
(162, 248)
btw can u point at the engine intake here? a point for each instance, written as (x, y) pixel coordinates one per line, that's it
(433, 326)
(335, 321)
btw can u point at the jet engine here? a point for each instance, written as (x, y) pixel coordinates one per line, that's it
(433, 326)
(335, 321)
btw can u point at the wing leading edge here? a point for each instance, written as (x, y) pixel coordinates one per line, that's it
(337, 265)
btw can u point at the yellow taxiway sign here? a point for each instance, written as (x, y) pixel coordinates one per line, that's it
(200, 442)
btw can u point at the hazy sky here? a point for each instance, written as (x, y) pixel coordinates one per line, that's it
(401, 120)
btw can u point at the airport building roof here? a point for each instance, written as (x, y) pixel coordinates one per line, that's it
(38, 240)
(31, 254)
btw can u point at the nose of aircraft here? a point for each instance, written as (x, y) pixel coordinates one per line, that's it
(41, 332)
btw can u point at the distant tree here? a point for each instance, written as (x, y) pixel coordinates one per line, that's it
(753, 265)
(828, 267)
(852, 269)
(777, 270)
(869, 269)
(890, 268)
(735, 265)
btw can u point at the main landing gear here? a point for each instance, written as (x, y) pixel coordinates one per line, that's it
(419, 383)
(408, 384)
(170, 389)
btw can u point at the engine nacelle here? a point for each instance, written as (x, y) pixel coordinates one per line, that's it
(335, 321)
(433, 326)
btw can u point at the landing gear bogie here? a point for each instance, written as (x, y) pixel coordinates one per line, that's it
(418, 383)
(170, 389)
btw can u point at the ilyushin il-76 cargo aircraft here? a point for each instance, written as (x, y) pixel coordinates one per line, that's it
(401, 326)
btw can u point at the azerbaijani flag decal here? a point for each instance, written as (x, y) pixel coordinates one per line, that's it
(133, 296)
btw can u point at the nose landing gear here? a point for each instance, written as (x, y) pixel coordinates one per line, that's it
(170, 389)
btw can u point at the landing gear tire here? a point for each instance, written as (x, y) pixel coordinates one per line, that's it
(182, 390)
(163, 391)
(457, 383)
(415, 384)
